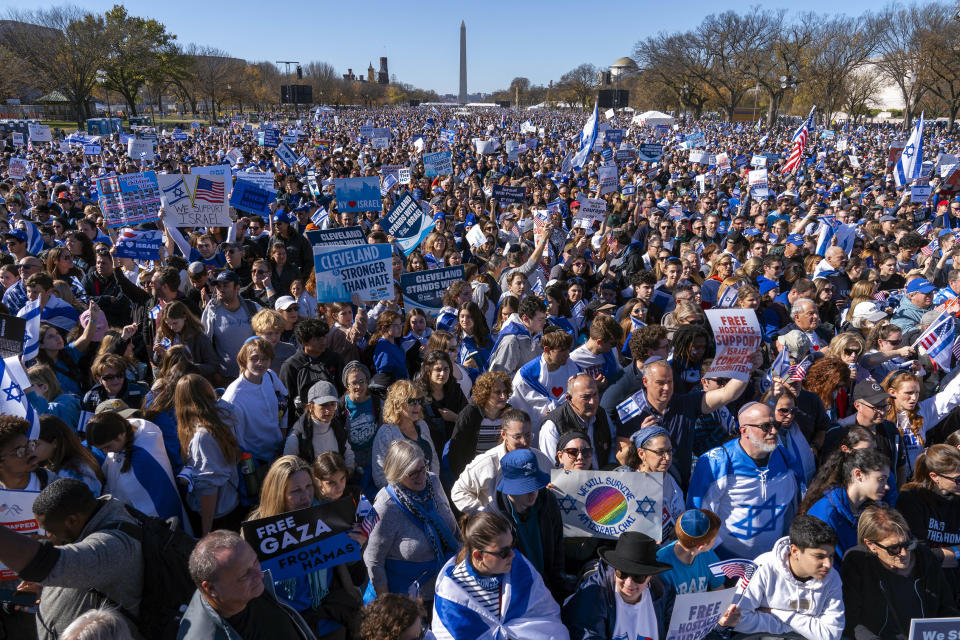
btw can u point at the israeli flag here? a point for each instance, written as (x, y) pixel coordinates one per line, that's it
(588, 137)
(319, 218)
(13, 401)
(175, 192)
(779, 368)
(31, 338)
(828, 228)
(34, 239)
(911, 160)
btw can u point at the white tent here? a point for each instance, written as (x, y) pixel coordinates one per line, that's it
(653, 118)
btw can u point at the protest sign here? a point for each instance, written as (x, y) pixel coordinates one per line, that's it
(295, 543)
(194, 200)
(358, 194)
(757, 179)
(758, 161)
(476, 237)
(437, 164)
(233, 156)
(343, 272)
(269, 138)
(92, 149)
(12, 332)
(247, 196)
(178, 135)
(425, 289)
(138, 149)
(380, 143)
(608, 179)
(129, 199)
(286, 154)
(408, 223)
(17, 139)
(39, 133)
(650, 152)
(614, 136)
(390, 169)
(699, 156)
(920, 193)
(403, 176)
(737, 335)
(505, 194)
(605, 504)
(696, 614)
(263, 179)
(216, 170)
(935, 629)
(366, 131)
(894, 152)
(695, 140)
(593, 211)
(828, 134)
(723, 162)
(139, 245)
(486, 147)
(18, 168)
(290, 138)
(16, 514)
(344, 236)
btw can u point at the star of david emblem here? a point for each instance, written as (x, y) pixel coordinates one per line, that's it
(178, 192)
(646, 506)
(908, 150)
(746, 530)
(14, 394)
(567, 504)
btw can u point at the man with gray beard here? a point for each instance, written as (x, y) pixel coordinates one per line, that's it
(749, 484)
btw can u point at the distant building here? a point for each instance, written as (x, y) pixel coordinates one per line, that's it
(383, 76)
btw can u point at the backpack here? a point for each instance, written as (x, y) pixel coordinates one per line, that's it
(167, 585)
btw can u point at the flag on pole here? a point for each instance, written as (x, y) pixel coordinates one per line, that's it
(31, 337)
(588, 137)
(930, 248)
(780, 368)
(799, 143)
(938, 340)
(911, 160)
(13, 401)
(733, 568)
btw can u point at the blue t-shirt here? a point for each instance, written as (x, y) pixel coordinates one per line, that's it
(689, 578)
(363, 424)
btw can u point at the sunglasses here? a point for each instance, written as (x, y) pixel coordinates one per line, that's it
(623, 575)
(955, 479)
(22, 451)
(766, 427)
(895, 343)
(503, 553)
(851, 352)
(897, 549)
(415, 402)
(573, 452)
(112, 376)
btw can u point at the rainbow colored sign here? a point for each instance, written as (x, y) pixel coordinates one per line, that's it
(606, 504)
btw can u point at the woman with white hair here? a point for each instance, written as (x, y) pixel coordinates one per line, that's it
(414, 531)
(403, 420)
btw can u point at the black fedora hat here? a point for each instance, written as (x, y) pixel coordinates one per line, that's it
(636, 554)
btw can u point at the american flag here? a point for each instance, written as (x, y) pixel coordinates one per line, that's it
(368, 522)
(209, 191)
(734, 568)
(880, 296)
(939, 340)
(798, 371)
(930, 248)
(799, 144)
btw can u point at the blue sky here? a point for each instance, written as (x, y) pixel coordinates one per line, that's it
(536, 39)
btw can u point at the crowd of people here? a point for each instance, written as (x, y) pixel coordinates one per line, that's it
(209, 387)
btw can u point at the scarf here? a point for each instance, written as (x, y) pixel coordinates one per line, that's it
(420, 506)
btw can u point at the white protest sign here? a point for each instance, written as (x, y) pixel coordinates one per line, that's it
(380, 143)
(476, 236)
(194, 200)
(39, 133)
(723, 161)
(737, 335)
(919, 193)
(696, 614)
(605, 504)
(699, 156)
(17, 139)
(16, 514)
(140, 149)
(18, 170)
(758, 161)
(854, 161)
(486, 147)
(64, 147)
(403, 176)
(92, 149)
(608, 179)
(216, 170)
(233, 156)
(609, 113)
(592, 211)
(263, 179)
(757, 179)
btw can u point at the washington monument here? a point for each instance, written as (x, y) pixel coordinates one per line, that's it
(462, 98)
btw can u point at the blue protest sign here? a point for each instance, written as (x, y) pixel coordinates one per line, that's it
(935, 629)
(696, 140)
(425, 289)
(343, 272)
(650, 152)
(247, 196)
(448, 136)
(366, 131)
(614, 135)
(624, 155)
(139, 245)
(269, 138)
(437, 164)
(505, 194)
(179, 135)
(606, 153)
(358, 194)
(408, 223)
(295, 543)
(286, 154)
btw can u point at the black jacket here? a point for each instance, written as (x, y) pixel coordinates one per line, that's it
(116, 295)
(300, 372)
(463, 440)
(303, 430)
(873, 611)
(566, 419)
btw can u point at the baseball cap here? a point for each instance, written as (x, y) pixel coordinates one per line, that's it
(868, 311)
(227, 276)
(283, 216)
(322, 392)
(766, 285)
(17, 234)
(795, 239)
(888, 218)
(920, 285)
(115, 406)
(870, 392)
(284, 302)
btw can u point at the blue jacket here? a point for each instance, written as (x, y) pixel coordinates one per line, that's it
(834, 509)
(591, 612)
(389, 358)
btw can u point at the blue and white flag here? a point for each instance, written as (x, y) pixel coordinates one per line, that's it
(588, 137)
(319, 217)
(58, 313)
(938, 340)
(779, 368)
(729, 297)
(34, 238)
(31, 337)
(14, 402)
(911, 160)
(828, 228)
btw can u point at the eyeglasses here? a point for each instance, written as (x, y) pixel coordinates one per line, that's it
(103, 252)
(575, 453)
(851, 352)
(112, 376)
(898, 548)
(766, 427)
(660, 453)
(22, 451)
(503, 553)
(955, 479)
(623, 575)
(415, 402)
(895, 343)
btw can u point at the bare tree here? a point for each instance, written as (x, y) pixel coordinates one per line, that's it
(900, 31)
(728, 40)
(214, 70)
(841, 45)
(678, 65)
(66, 46)
(860, 88)
(581, 82)
(940, 47)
